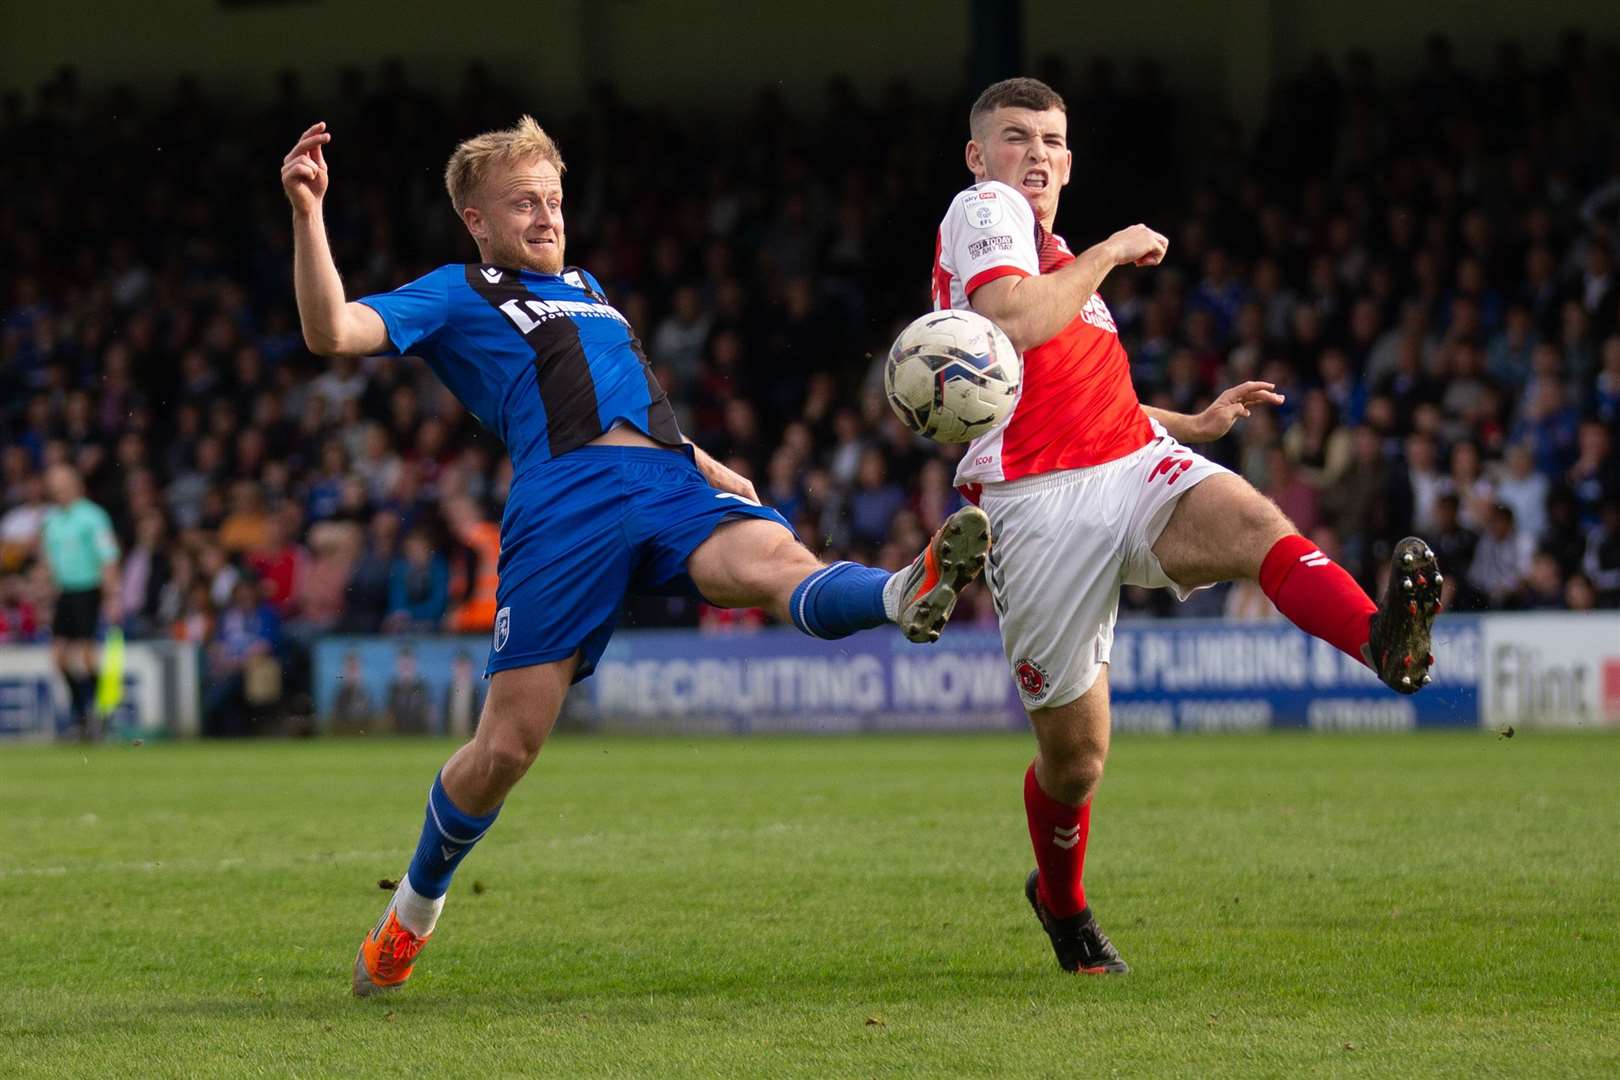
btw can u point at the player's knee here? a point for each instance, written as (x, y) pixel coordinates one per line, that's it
(780, 563)
(1077, 775)
(508, 755)
(508, 743)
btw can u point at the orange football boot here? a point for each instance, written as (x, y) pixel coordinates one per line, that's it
(955, 555)
(386, 956)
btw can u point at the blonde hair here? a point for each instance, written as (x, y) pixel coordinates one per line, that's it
(471, 162)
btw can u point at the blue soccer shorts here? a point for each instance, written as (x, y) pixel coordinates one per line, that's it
(583, 531)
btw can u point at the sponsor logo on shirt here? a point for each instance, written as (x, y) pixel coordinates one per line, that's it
(1097, 314)
(983, 246)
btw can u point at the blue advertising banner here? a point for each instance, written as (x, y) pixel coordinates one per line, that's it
(1166, 676)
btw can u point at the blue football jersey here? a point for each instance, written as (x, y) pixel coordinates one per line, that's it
(542, 360)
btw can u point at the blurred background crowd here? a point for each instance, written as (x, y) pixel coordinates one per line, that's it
(1427, 269)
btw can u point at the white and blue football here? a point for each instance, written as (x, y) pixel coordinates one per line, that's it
(952, 376)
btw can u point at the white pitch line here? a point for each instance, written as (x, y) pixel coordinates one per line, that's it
(195, 865)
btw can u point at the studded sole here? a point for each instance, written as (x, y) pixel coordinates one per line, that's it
(1400, 637)
(962, 546)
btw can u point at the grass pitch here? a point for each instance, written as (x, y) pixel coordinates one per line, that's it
(1292, 905)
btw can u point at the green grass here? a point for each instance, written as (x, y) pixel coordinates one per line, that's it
(1292, 905)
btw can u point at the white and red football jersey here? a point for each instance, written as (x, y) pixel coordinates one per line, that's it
(1077, 406)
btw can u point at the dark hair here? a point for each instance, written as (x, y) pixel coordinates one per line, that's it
(1019, 93)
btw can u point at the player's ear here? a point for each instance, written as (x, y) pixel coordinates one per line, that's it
(1068, 165)
(474, 220)
(975, 159)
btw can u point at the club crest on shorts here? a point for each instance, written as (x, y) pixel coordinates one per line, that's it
(503, 627)
(1032, 678)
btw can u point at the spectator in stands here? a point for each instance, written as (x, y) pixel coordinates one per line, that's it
(481, 540)
(1502, 558)
(1549, 425)
(1564, 538)
(1318, 446)
(418, 587)
(1543, 588)
(145, 573)
(19, 616)
(1476, 495)
(1606, 387)
(334, 547)
(195, 623)
(1524, 490)
(1365, 501)
(368, 587)
(678, 341)
(247, 526)
(1425, 479)
(247, 630)
(1454, 543)
(278, 561)
(1595, 476)
(1292, 493)
(876, 499)
(1601, 563)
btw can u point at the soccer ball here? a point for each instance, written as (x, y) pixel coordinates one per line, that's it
(952, 376)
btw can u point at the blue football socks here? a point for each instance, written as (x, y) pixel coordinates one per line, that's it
(447, 835)
(838, 600)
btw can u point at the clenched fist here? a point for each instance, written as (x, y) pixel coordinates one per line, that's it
(1139, 246)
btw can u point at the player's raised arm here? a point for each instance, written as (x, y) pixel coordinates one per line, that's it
(331, 326)
(1032, 310)
(1215, 421)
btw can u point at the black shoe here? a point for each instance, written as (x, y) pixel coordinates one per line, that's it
(1079, 942)
(1398, 642)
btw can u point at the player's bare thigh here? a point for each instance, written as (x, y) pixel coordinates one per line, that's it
(518, 716)
(751, 562)
(1073, 744)
(1221, 530)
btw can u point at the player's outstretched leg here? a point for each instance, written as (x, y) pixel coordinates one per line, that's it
(1398, 645)
(759, 563)
(1322, 599)
(1223, 530)
(462, 804)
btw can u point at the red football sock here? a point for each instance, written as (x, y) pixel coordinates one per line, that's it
(1316, 594)
(1059, 833)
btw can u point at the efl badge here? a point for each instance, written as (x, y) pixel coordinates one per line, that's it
(503, 627)
(1031, 679)
(983, 209)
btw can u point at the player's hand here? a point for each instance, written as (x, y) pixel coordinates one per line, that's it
(1138, 246)
(727, 480)
(1233, 405)
(303, 170)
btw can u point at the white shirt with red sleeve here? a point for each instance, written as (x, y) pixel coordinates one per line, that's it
(1077, 407)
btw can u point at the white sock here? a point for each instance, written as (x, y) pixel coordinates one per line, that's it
(417, 913)
(893, 589)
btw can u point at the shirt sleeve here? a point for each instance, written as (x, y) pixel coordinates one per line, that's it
(105, 540)
(990, 233)
(413, 312)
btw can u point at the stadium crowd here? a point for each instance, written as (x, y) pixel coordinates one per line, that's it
(1427, 268)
